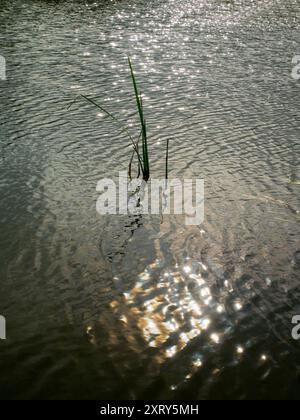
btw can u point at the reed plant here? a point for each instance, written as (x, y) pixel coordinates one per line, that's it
(143, 155)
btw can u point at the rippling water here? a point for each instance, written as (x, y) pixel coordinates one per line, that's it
(119, 307)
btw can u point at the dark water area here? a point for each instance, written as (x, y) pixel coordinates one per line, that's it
(104, 307)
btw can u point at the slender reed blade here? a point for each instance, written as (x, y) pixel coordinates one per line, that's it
(167, 160)
(121, 125)
(140, 168)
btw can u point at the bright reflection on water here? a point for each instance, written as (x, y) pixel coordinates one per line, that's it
(175, 311)
(131, 307)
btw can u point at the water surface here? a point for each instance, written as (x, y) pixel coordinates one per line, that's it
(120, 307)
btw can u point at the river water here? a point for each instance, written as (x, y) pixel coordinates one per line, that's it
(122, 307)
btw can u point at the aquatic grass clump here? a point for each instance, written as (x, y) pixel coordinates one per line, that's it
(139, 101)
(143, 158)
